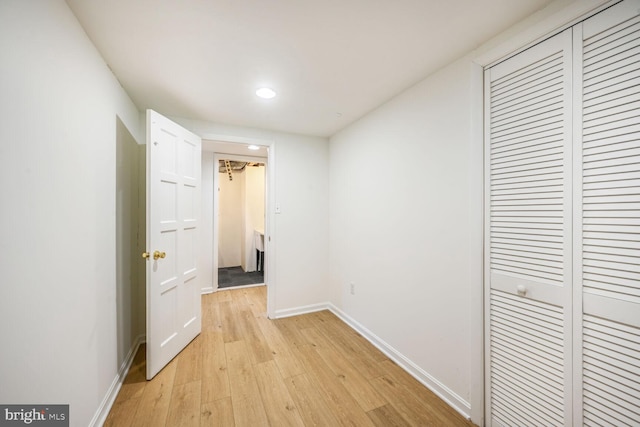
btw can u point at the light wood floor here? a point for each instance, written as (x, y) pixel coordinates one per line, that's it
(247, 370)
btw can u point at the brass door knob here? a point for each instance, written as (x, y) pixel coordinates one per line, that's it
(158, 254)
(146, 255)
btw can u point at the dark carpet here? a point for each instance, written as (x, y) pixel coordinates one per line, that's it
(235, 276)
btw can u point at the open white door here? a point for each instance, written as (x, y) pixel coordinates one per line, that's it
(173, 212)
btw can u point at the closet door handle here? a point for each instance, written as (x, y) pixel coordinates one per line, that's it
(522, 290)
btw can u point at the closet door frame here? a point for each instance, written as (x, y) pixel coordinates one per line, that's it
(548, 26)
(577, 225)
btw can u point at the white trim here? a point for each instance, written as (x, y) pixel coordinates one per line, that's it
(206, 290)
(107, 403)
(218, 137)
(441, 390)
(296, 311)
(233, 288)
(577, 220)
(270, 231)
(486, 276)
(476, 269)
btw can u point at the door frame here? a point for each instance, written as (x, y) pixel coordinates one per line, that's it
(235, 146)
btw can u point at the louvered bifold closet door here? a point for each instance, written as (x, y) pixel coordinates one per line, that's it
(528, 169)
(608, 275)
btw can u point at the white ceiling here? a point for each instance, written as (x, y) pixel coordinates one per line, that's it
(331, 61)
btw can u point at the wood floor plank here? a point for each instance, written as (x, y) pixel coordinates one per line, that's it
(353, 336)
(122, 413)
(258, 348)
(154, 403)
(231, 328)
(218, 413)
(215, 381)
(280, 408)
(426, 397)
(344, 407)
(290, 331)
(211, 313)
(213, 353)
(288, 364)
(189, 360)
(311, 404)
(225, 295)
(303, 321)
(405, 403)
(248, 409)
(357, 385)
(387, 416)
(416, 403)
(352, 344)
(256, 300)
(184, 408)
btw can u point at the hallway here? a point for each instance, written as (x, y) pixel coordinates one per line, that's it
(247, 370)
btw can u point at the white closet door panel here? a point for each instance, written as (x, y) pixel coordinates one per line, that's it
(609, 216)
(529, 236)
(609, 159)
(527, 341)
(611, 385)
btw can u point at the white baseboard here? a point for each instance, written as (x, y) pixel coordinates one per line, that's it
(301, 310)
(442, 391)
(103, 410)
(207, 290)
(231, 288)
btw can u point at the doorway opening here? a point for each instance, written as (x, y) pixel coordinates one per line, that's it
(225, 147)
(241, 222)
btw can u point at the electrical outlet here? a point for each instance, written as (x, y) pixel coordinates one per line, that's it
(352, 288)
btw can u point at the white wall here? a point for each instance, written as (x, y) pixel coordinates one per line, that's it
(300, 244)
(59, 109)
(403, 240)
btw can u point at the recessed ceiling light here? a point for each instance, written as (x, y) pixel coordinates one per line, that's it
(253, 147)
(265, 93)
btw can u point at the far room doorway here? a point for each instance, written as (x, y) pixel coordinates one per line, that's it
(215, 148)
(241, 222)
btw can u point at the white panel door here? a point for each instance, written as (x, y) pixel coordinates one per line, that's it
(607, 221)
(173, 211)
(528, 237)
